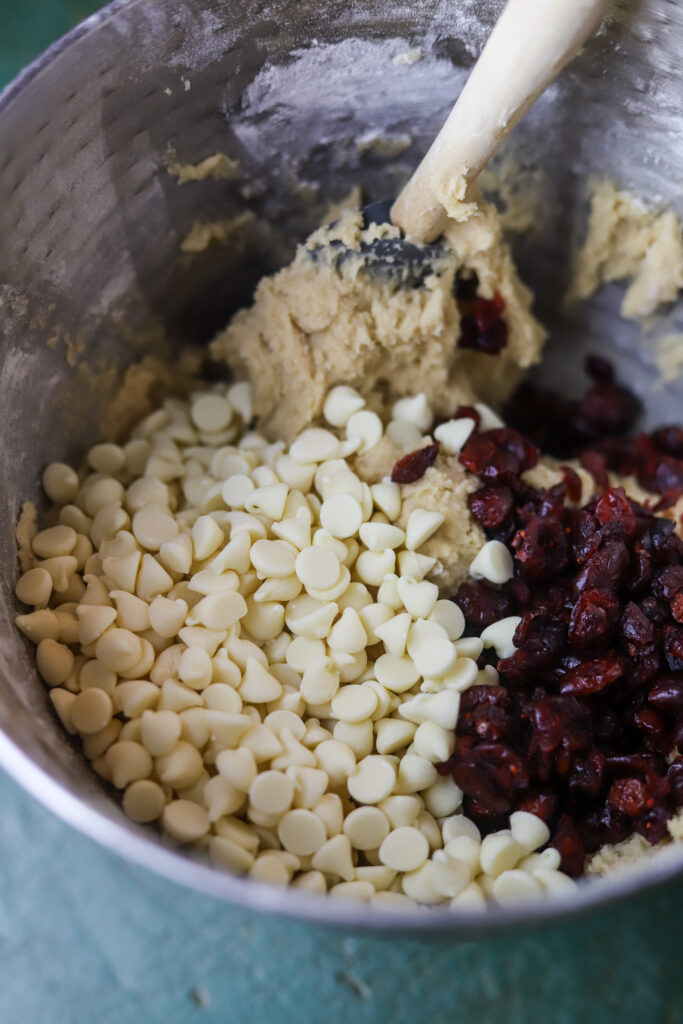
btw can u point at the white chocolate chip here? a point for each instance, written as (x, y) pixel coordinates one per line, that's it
(314, 445)
(499, 852)
(354, 703)
(454, 434)
(493, 562)
(499, 636)
(365, 428)
(341, 404)
(513, 887)
(415, 410)
(301, 832)
(528, 831)
(366, 828)
(404, 849)
(211, 413)
(60, 483)
(317, 567)
(372, 780)
(334, 858)
(422, 523)
(387, 498)
(342, 515)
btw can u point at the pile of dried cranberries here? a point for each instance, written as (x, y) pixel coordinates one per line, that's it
(589, 708)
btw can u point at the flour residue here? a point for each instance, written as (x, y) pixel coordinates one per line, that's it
(627, 240)
(218, 166)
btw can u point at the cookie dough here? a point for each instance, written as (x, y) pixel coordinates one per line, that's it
(627, 240)
(218, 166)
(315, 324)
(669, 357)
(445, 487)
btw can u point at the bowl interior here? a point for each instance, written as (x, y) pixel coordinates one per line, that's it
(309, 101)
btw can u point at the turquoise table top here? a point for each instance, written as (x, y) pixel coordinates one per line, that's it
(87, 939)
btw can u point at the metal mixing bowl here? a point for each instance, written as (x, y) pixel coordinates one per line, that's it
(91, 274)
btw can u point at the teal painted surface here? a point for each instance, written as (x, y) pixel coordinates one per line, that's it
(27, 27)
(88, 939)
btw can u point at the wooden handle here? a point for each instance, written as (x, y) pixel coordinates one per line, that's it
(528, 47)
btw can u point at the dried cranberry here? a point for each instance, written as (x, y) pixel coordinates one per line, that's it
(557, 723)
(482, 604)
(666, 477)
(640, 574)
(542, 803)
(476, 696)
(498, 454)
(586, 776)
(539, 640)
(637, 630)
(573, 483)
(669, 582)
(596, 465)
(642, 669)
(415, 464)
(485, 459)
(645, 765)
(593, 620)
(630, 797)
(541, 549)
(675, 777)
(592, 676)
(614, 506)
(599, 370)
(585, 536)
(487, 311)
(466, 412)
(492, 505)
(526, 454)
(493, 340)
(652, 825)
(607, 408)
(606, 569)
(469, 333)
(569, 845)
(656, 733)
(603, 824)
(673, 647)
(492, 774)
(669, 440)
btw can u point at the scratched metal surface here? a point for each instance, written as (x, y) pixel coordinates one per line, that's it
(85, 937)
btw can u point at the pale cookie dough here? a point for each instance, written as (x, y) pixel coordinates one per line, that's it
(204, 234)
(632, 853)
(627, 240)
(24, 532)
(218, 166)
(669, 357)
(313, 326)
(445, 488)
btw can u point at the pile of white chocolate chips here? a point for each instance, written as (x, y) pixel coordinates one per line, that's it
(245, 641)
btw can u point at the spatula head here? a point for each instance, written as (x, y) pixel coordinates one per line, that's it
(397, 261)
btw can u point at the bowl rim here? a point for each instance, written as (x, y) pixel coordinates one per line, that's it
(133, 845)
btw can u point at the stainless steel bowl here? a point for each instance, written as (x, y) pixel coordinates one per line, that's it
(91, 274)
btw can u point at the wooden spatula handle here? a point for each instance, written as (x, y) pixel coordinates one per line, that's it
(528, 47)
